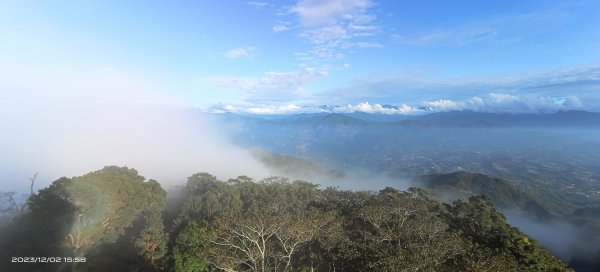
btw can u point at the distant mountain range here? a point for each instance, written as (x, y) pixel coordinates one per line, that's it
(481, 119)
(439, 119)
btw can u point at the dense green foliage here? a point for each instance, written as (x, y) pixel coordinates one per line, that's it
(279, 225)
(117, 221)
(92, 216)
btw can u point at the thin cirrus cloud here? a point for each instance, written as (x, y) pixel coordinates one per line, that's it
(271, 86)
(241, 52)
(280, 28)
(367, 45)
(452, 37)
(500, 28)
(329, 26)
(257, 4)
(333, 25)
(414, 88)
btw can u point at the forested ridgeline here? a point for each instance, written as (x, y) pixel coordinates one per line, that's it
(118, 221)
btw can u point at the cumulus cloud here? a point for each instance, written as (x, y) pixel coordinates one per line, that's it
(241, 52)
(572, 102)
(376, 108)
(268, 109)
(502, 102)
(492, 102)
(443, 104)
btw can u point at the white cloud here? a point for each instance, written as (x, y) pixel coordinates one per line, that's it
(367, 45)
(323, 71)
(273, 109)
(413, 88)
(295, 108)
(511, 103)
(332, 25)
(491, 102)
(280, 28)
(271, 86)
(500, 98)
(257, 4)
(318, 13)
(241, 52)
(572, 102)
(443, 104)
(266, 109)
(376, 108)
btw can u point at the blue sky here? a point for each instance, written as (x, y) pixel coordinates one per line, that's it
(291, 56)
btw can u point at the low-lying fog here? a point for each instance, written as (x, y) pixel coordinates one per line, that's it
(68, 126)
(566, 240)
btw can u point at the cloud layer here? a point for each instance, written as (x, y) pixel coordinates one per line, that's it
(576, 88)
(582, 81)
(492, 102)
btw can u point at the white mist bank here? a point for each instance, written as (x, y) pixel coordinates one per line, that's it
(72, 123)
(564, 239)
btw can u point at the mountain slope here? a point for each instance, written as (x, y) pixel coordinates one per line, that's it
(461, 185)
(483, 119)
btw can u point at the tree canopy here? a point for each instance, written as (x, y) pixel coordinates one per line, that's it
(117, 220)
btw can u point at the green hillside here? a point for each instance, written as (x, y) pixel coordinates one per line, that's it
(461, 185)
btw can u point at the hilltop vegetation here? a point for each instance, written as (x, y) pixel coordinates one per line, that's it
(119, 221)
(111, 217)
